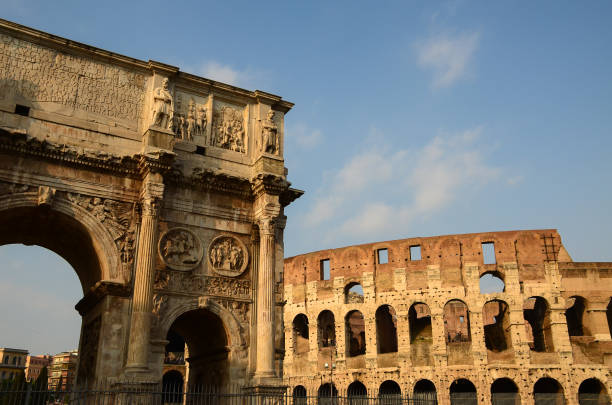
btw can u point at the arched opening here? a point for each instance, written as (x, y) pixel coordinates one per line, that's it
(299, 395)
(353, 293)
(425, 390)
(355, 334)
(327, 394)
(463, 392)
(55, 240)
(457, 333)
(207, 347)
(574, 315)
(390, 393)
(357, 393)
(172, 387)
(498, 340)
(300, 334)
(421, 337)
(548, 391)
(593, 392)
(326, 328)
(386, 329)
(492, 282)
(504, 392)
(537, 314)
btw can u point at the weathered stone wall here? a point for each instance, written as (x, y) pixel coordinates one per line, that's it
(471, 335)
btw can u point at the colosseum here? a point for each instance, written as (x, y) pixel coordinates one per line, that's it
(500, 317)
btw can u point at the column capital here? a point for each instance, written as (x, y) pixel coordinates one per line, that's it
(151, 196)
(267, 225)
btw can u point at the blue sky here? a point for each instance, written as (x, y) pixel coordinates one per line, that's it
(411, 118)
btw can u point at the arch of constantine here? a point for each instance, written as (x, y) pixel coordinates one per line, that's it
(421, 317)
(165, 192)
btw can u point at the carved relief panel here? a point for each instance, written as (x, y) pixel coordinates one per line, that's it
(191, 117)
(180, 249)
(227, 256)
(229, 130)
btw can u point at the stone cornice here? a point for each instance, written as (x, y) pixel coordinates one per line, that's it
(290, 195)
(67, 45)
(269, 184)
(17, 141)
(210, 180)
(98, 292)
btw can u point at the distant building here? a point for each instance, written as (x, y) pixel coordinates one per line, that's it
(12, 361)
(35, 364)
(62, 371)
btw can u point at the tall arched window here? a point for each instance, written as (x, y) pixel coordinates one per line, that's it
(574, 315)
(537, 314)
(386, 329)
(496, 320)
(300, 334)
(326, 326)
(355, 334)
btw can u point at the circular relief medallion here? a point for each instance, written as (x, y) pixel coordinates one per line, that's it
(227, 256)
(180, 249)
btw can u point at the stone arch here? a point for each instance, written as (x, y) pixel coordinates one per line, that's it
(496, 322)
(505, 392)
(592, 392)
(536, 312)
(172, 387)
(353, 293)
(386, 329)
(457, 321)
(300, 334)
(21, 212)
(492, 282)
(356, 389)
(421, 334)
(424, 389)
(389, 387)
(326, 329)
(355, 333)
(609, 315)
(463, 392)
(547, 391)
(299, 395)
(231, 324)
(327, 390)
(574, 316)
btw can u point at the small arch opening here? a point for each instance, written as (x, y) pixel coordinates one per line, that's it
(574, 315)
(357, 393)
(504, 392)
(299, 395)
(300, 334)
(327, 394)
(390, 393)
(353, 293)
(492, 282)
(172, 387)
(538, 323)
(593, 392)
(463, 392)
(548, 391)
(355, 334)
(386, 329)
(425, 390)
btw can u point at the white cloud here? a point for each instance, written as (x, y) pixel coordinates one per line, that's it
(381, 190)
(224, 73)
(448, 57)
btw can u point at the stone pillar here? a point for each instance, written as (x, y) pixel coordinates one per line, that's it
(595, 320)
(142, 299)
(265, 300)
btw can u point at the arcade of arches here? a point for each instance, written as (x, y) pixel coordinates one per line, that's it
(531, 326)
(165, 192)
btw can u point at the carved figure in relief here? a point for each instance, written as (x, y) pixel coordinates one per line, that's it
(180, 249)
(191, 122)
(269, 135)
(227, 256)
(163, 107)
(228, 131)
(201, 121)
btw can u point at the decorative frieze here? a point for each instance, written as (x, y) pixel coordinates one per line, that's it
(227, 256)
(180, 249)
(187, 283)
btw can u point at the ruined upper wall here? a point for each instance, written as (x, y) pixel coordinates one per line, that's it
(530, 249)
(78, 95)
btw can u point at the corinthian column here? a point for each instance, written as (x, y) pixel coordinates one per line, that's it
(142, 299)
(265, 299)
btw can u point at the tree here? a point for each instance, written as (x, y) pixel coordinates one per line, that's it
(39, 388)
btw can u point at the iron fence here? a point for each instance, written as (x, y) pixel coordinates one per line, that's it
(27, 394)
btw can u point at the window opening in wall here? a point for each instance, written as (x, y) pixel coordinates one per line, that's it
(491, 283)
(548, 391)
(325, 269)
(383, 256)
(326, 329)
(200, 150)
(496, 321)
(415, 252)
(300, 334)
(456, 322)
(488, 252)
(355, 334)
(592, 392)
(461, 319)
(425, 390)
(574, 316)
(386, 329)
(22, 110)
(609, 316)
(353, 293)
(539, 333)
